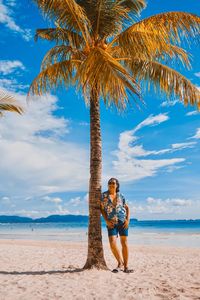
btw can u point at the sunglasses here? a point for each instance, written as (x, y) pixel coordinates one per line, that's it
(112, 182)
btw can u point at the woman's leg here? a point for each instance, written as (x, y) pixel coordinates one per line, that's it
(115, 250)
(125, 252)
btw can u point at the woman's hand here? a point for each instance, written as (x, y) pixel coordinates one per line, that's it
(126, 223)
(110, 224)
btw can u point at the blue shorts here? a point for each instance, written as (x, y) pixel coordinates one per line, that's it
(118, 229)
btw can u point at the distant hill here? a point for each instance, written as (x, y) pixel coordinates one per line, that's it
(15, 219)
(84, 219)
(62, 218)
(49, 219)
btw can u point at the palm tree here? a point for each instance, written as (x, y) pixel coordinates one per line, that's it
(8, 103)
(103, 50)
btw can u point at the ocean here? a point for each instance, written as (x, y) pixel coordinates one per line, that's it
(185, 233)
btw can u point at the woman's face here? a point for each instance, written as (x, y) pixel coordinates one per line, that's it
(112, 185)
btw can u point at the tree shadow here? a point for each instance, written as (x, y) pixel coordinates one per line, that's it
(51, 272)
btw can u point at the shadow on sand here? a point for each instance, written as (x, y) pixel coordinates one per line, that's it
(69, 270)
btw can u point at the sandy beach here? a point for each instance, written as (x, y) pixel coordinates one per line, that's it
(52, 270)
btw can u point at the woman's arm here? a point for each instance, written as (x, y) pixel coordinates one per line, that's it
(103, 213)
(127, 212)
(127, 220)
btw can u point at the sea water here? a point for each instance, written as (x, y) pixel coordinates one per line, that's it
(167, 233)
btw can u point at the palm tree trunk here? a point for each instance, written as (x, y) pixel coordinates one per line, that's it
(95, 257)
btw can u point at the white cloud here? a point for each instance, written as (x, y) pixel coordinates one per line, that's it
(127, 137)
(197, 74)
(169, 103)
(134, 169)
(84, 124)
(134, 209)
(9, 66)
(7, 19)
(86, 198)
(36, 158)
(152, 121)
(197, 135)
(179, 202)
(171, 169)
(180, 146)
(61, 210)
(78, 201)
(55, 200)
(129, 167)
(192, 113)
(169, 208)
(75, 201)
(12, 85)
(169, 201)
(5, 200)
(151, 200)
(7, 83)
(157, 209)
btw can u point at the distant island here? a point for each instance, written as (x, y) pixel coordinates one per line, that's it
(49, 219)
(80, 219)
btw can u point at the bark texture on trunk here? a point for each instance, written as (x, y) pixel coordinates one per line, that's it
(95, 256)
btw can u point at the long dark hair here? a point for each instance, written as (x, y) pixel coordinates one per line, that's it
(117, 182)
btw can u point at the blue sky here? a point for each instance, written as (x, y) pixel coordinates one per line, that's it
(44, 154)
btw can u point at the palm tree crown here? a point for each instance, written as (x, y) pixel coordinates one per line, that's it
(101, 46)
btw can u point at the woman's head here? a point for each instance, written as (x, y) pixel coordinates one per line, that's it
(113, 183)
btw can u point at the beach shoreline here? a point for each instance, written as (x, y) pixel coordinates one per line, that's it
(31, 269)
(175, 238)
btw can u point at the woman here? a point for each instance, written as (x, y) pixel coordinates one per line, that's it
(117, 216)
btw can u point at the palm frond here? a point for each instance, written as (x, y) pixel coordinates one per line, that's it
(106, 16)
(58, 74)
(170, 26)
(173, 53)
(8, 103)
(99, 5)
(111, 80)
(60, 35)
(173, 25)
(148, 45)
(166, 79)
(67, 14)
(134, 6)
(59, 54)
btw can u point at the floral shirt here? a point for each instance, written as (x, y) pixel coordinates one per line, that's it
(113, 212)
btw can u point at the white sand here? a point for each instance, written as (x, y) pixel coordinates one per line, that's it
(50, 270)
